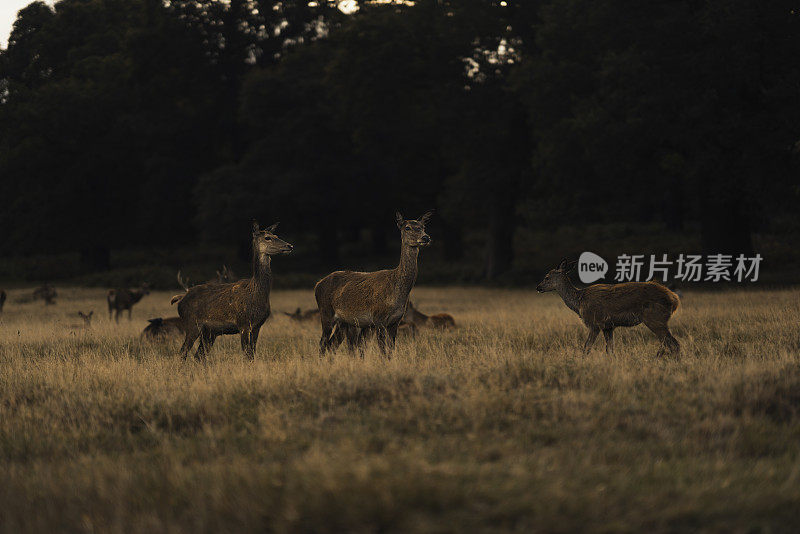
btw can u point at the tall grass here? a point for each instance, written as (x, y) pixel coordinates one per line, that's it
(500, 425)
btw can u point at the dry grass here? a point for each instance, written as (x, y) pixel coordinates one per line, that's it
(500, 425)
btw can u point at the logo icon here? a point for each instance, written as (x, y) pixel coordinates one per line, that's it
(591, 267)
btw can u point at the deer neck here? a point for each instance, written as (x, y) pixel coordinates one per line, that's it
(262, 271)
(571, 296)
(406, 271)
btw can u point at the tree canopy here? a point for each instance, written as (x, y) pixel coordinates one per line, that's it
(129, 123)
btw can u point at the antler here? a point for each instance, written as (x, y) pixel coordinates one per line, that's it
(184, 283)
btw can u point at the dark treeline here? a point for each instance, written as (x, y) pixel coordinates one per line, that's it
(142, 123)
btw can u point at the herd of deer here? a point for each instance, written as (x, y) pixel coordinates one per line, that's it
(353, 305)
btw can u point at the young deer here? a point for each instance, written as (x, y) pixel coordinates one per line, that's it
(87, 321)
(124, 298)
(2, 299)
(301, 316)
(47, 293)
(417, 318)
(355, 300)
(242, 307)
(607, 306)
(160, 328)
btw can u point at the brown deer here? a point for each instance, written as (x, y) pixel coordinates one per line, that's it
(87, 321)
(607, 306)
(302, 316)
(224, 276)
(124, 298)
(160, 328)
(417, 318)
(354, 300)
(3, 296)
(242, 307)
(47, 293)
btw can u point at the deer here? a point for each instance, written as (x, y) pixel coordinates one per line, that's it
(124, 298)
(417, 318)
(224, 275)
(608, 306)
(352, 301)
(242, 307)
(301, 316)
(3, 297)
(160, 328)
(47, 293)
(87, 321)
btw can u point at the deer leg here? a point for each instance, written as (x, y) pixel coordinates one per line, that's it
(590, 340)
(608, 333)
(391, 330)
(252, 346)
(116, 315)
(207, 339)
(381, 334)
(327, 327)
(362, 340)
(658, 325)
(353, 337)
(188, 342)
(339, 331)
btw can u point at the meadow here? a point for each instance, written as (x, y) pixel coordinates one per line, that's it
(500, 425)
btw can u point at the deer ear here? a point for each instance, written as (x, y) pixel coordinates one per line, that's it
(272, 228)
(399, 218)
(255, 227)
(425, 217)
(562, 265)
(90, 313)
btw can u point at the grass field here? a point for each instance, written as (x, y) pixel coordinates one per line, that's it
(500, 425)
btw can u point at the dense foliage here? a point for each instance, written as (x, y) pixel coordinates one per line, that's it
(129, 123)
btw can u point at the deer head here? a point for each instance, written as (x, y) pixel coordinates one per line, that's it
(556, 278)
(87, 317)
(412, 232)
(266, 243)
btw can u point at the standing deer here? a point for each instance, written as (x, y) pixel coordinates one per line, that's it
(417, 318)
(47, 293)
(607, 306)
(242, 307)
(123, 299)
(2, 299)
(353, 300)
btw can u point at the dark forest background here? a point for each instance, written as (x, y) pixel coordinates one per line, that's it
(141, 136)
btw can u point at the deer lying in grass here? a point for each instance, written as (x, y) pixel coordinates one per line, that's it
(3, 296)
(417, 318)
(124, 298)
(87, 321)
(356, 300)
(47, 293)
(242, 307)
(300, 315)
(607, 306)
(160, 328)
